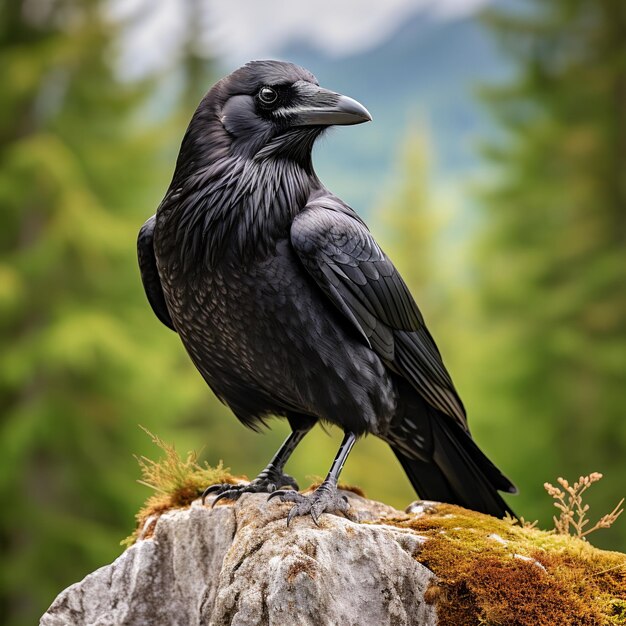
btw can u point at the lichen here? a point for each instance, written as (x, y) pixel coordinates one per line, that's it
(492, 572)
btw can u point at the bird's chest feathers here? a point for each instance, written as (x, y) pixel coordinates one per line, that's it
(238, 212)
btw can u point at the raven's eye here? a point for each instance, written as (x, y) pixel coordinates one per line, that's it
(267, 95)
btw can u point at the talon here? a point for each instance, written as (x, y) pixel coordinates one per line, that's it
(205, 493)
(276, 494)
(294, 512)
(211, 489)
(263, 483)
(226, 495)
(291, 515)
(325, 499)
(217, 488)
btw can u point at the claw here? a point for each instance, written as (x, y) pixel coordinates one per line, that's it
(344, 509)
(292, 513)
(231, 494)
(212, 488)
(286, 495)
(263, 483)
(205, 493)
(314, 516)
(276, 494)
(324, 499)
(219, 488)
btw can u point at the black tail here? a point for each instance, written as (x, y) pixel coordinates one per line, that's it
(459, 473)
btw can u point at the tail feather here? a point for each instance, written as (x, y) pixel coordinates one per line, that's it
(459, 473)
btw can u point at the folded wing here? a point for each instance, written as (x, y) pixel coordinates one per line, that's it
(349, 266)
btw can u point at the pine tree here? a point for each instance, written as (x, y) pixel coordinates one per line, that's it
(409, 226)
(418, 226)
(554, 256)
(83, 359)
(407, 221)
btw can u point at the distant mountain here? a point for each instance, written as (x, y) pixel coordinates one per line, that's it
(425, 71)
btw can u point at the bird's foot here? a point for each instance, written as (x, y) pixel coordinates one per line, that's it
(325, 499)
(268, 481)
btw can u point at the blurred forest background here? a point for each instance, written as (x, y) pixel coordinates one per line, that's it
(500, 136)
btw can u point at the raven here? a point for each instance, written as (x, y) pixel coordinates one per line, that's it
(288, 306)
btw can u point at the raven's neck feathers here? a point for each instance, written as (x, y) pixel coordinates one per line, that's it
(220, 202)
(240, 203)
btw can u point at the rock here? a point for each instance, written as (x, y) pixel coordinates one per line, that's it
(239, 564)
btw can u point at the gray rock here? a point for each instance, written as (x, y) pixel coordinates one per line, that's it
(239, 564)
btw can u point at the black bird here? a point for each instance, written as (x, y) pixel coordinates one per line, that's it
(287, 305)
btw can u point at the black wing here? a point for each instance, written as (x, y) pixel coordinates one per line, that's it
(341, 255)
(150, 274)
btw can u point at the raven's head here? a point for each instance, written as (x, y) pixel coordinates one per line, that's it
(245, 161)
(273, 108)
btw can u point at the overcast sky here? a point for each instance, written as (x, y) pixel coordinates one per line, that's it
(240, 30)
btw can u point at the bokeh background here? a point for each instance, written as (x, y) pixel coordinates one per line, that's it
(494, 173)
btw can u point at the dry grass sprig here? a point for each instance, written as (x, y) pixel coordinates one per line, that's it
(572, 518)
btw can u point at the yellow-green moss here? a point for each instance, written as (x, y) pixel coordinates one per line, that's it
(492, 572)
(618, 611)
(177, 483)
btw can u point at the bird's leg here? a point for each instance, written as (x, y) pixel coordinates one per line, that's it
(326, 498)
(270, 479)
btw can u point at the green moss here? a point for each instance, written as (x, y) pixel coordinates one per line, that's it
(493, 572)
(490, 572)
(177, 482)
(618, 612)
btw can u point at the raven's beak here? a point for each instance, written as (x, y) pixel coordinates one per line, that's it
(320, 107)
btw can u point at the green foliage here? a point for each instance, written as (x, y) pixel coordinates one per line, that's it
(83, 359)
(408, 221)
(553, 258)
(536, 349)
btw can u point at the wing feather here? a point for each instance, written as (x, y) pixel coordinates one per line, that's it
(150, 274)
(339, 252)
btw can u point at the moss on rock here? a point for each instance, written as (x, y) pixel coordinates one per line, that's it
(176, 481)
(494, 572)
(490, 572)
